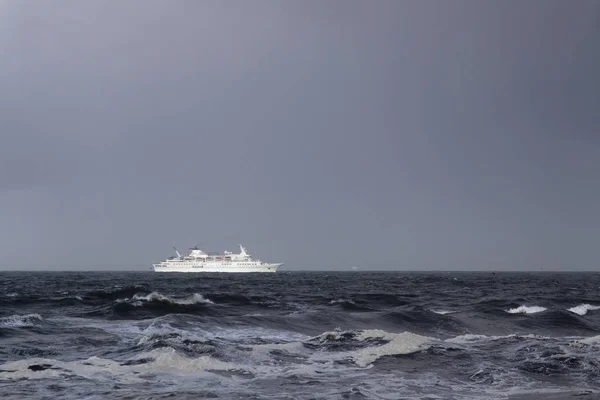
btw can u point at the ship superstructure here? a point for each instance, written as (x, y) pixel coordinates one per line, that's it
(199, 261)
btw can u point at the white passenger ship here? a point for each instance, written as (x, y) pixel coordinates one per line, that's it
(199, 261)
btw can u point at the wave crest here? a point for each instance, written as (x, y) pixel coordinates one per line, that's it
(526, 310)
(442, 312)
(195, 298)
(20, 321)
(583, 309)
(138, 299)
(373, 344)
(400, 343)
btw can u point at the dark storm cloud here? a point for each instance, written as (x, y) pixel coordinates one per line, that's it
(409, 135)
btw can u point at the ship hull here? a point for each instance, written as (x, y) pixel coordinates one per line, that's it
(216, 268)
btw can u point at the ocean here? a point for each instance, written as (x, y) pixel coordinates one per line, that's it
(299, 335)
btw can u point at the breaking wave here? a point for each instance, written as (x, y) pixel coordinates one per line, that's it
(526, 310)
(442, 312)
(19, 321)
(364, 347)
(164, 360)
(398, 344)
(195, 298)
(375, 335)
(583, 309)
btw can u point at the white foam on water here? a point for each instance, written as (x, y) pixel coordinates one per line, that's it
(163, 361)
(396, 344)
(160, 328)
(528, 336)
(367, 334)
(526, 310)
(442, 312)
(195, 298)
(592, 340)
(168, 366)
(170, 330)
(468, 338)
(358, 335)
(259, 362)
(92, 368)
(246, 335)
(296, 348)
(583, 309)
(340, 301)
(255, 315)
(400, 343)
(471, 338)
(167, 360)
(338, 334)
(19, 321)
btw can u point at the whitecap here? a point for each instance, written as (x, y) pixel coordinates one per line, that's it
(341, 301)
(375, 334)
(397, 344)
(164, 360)
(400, 343)
(167, 360)
(590, 340)
(526, 310)
(473, 338)
(468, 338)
(18, 321)
(442, 312)
(195, 298)
(583, 309)
(336, 335)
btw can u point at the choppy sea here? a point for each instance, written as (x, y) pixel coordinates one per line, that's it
(299, 335)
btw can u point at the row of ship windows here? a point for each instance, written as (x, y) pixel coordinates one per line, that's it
(221, 263)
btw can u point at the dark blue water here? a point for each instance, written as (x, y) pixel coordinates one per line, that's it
(298, 335)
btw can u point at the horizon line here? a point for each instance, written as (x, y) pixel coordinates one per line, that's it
(300, 270)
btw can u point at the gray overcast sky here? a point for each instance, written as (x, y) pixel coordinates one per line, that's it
(323, 134)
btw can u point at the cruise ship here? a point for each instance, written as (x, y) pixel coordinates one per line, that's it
(199, 261)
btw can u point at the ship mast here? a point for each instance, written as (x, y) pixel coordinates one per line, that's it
(178, 255)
